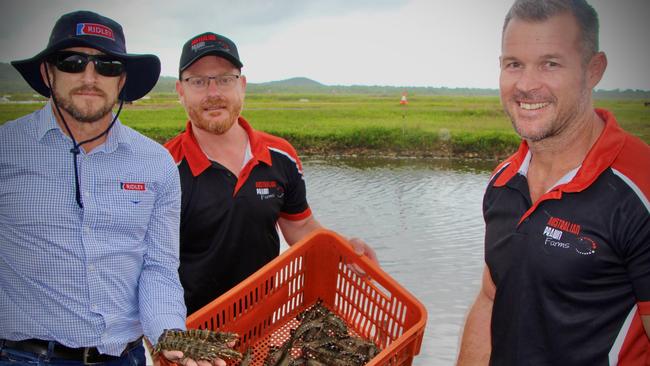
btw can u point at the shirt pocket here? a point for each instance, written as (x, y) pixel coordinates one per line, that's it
(126, 214)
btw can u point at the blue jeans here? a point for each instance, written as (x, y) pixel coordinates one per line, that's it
(10, 357)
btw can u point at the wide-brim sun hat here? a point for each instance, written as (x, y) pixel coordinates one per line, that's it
(88, 29)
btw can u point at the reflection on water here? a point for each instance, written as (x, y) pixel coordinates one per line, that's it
(423, 218)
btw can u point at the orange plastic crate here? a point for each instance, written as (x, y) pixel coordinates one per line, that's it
(262, 309)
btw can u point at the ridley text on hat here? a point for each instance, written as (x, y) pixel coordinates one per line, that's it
(208, 44)
(93, 29)
(88, 29)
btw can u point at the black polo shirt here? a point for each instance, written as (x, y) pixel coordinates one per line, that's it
(228, 223)
(572, 270)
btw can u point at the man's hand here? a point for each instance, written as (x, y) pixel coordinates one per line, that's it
(362, 248)
(177, 357)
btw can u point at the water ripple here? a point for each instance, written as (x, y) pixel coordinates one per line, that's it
(426, 226)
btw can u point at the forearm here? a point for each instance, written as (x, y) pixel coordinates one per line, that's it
(161, 304)
(475, 346)
(294, 231)
(476, 343)
(160, 291)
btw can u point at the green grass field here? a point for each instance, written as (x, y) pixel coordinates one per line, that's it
(360, 124)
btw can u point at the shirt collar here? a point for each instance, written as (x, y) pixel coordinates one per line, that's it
(600, 157)
(116, 135)
(523, 167)
(47, 121)
(523, 170)
(199, 162)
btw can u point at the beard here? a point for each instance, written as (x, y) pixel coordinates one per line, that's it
(531, 97)
(219, 125)
(85, 112)
(550, 127)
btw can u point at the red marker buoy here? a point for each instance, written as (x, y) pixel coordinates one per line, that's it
(403, 100)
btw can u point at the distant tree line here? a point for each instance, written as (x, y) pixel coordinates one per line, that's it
(12, 82)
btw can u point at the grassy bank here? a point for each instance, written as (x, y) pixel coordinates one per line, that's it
(367, 125)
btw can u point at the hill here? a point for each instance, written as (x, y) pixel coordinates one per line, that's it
(299, 82)
(12, 83)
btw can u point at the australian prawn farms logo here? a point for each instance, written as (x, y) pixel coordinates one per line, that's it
(268, 189)
(565, 235)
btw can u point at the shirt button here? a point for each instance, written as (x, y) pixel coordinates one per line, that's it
(91, 267)
(86, 194)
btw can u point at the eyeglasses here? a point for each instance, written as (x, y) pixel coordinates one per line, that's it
(75, 62)
(224, 82)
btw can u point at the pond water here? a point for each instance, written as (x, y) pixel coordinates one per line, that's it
(424, 220)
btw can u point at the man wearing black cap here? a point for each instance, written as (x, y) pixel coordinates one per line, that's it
(89, 211)
(237, 183)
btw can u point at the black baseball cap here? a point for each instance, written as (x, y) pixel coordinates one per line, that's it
(88, 29)
(208, 44)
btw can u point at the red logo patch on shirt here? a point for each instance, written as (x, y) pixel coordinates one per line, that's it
(133, 186)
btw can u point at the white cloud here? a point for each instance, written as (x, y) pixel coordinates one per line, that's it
(413, 45)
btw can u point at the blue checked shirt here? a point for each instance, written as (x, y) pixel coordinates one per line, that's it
(98, 276)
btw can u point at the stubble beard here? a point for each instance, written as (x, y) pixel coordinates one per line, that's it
(217, 127)
(81, 114)
(557, 124)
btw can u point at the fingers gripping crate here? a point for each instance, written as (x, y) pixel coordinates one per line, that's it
(262, 309)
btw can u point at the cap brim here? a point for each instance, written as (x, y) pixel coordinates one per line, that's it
(221, 54)
(142, 71)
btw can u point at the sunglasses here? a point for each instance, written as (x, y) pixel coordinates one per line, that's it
(75, 62)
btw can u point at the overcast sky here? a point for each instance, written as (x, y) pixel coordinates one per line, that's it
(337, 42)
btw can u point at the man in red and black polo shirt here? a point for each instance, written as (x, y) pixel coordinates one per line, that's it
(567, 242)
(237, 183)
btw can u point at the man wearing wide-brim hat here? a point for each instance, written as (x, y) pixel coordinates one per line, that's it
(89, 209)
